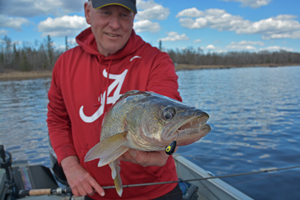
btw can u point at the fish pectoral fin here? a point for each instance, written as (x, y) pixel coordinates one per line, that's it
(112, 156)
(115, 173)
(108, 149)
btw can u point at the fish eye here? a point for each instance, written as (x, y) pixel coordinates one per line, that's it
(168, 113)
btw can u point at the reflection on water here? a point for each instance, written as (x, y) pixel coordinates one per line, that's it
(254, 115)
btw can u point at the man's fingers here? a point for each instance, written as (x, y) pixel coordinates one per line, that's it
(75, 192)
(88, 189)
(145, 158)
(158, 158)
(127, 158)
(83, 184)
(81, 191)
(132, 152)
(155, 158)
(97, 188)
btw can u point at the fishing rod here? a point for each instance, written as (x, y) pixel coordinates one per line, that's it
(69, 190)
(200, 179)
(37, 192)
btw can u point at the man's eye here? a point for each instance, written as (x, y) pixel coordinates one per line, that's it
(125, 15)
(105, 13)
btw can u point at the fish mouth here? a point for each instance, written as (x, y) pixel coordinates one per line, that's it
(190, 130)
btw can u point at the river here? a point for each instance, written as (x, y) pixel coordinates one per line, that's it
(254, 115)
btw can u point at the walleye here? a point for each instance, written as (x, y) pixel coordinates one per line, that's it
(145, 121)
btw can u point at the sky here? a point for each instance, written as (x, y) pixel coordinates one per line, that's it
(212, 25)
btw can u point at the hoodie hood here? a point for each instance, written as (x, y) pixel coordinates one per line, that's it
(87, 41)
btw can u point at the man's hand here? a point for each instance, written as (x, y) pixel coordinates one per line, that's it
(80, 181)
(146, 158)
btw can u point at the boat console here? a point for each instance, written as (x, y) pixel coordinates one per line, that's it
(14, 180)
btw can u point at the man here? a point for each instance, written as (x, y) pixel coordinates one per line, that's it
(109, 61)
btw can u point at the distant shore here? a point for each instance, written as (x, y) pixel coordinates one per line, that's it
(191, 67)
(20, 75)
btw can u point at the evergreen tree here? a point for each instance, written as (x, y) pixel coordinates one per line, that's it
(25, 65)
(67, 44)
(50, 50)
(16, 55)
(1, 62)
(160, 45)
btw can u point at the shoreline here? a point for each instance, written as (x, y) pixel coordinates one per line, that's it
(19, 75)
(192, 67)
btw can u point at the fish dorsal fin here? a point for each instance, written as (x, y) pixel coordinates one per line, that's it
(108, 149)
(115, 173)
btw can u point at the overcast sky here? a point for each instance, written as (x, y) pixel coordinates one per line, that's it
(213, 25)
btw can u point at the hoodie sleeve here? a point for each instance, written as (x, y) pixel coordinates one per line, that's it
(59, 124)
(163, 78)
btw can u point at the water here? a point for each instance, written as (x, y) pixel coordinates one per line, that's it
(255, 120)
(254, 115)
(23, 113)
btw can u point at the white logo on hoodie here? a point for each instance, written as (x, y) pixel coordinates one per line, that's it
(119, 79)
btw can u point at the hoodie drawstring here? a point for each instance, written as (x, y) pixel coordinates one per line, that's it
(106, 88)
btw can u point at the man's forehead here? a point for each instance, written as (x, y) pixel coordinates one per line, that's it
(113, 7)
(127, 4)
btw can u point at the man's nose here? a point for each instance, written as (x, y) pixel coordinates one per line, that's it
(114, 22)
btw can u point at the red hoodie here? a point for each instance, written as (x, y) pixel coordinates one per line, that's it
(83, 82)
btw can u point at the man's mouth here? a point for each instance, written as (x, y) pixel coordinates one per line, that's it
(112, 35)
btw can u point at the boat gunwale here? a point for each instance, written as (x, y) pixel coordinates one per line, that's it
(216, 182)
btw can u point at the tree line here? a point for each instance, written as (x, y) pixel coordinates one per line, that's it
(42, 56)
(197, 57)
(31, 57)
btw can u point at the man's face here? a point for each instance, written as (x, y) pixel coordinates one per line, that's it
(111, 25)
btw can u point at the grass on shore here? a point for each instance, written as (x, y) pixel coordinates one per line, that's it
(20, 75)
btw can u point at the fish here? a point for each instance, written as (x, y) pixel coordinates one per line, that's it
(145, 121)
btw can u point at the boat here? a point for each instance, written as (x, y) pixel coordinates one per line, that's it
(37, 182)
(207, 189)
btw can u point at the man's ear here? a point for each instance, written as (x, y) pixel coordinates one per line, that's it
(133, 19)
(87, 12)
